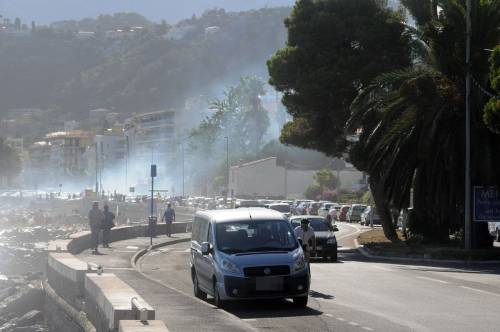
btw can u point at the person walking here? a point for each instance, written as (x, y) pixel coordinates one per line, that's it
(96, 218)
(169, 217)
(107, 224)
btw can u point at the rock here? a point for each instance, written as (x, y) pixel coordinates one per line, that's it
(29, 318)
(27, 298)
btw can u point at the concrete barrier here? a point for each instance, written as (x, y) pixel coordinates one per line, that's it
(138, 326)
(109, 300)
(66, 275)
(81, 241)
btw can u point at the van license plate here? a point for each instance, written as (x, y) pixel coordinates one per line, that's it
(269, 284)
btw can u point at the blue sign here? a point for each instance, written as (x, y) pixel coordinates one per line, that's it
(486, 204)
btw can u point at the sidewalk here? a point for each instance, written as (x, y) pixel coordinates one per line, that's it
(178, 311)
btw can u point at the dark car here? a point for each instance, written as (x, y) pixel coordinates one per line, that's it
(326, 242)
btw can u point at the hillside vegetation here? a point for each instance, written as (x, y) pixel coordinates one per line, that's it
(157, 67)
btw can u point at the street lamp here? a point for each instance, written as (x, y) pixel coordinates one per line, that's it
(227, 166)
(467, 208)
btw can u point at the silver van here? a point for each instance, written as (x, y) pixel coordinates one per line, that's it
(247, 253)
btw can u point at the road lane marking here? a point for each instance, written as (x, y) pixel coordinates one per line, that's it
(480, 291)
(382, 268)
(249, 319)
(367, 328)
(434, 280)
(353, 324)
(341, 319)
(328, 315)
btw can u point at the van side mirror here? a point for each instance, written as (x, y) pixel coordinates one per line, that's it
(205, 248)
(335, 228)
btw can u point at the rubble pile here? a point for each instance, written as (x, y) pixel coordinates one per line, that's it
(24, 235)
(21, 303)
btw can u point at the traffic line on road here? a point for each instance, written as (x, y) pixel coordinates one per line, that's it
(341, 319)
(382, 268)
(353, 324)
(328, 315)
(367, 328)
(433, 279)
(480, 291)
(249, 320)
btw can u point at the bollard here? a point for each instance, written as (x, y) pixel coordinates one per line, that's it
(93, 266)
(143, 312)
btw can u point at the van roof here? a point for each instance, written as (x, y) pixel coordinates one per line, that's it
(241, 214)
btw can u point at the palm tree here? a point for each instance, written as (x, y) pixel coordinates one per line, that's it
(412, 121)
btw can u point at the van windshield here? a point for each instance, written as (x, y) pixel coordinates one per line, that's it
(255, 236)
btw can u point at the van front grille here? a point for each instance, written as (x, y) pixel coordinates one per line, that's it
(260, 271)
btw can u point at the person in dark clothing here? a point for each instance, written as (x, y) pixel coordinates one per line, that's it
(96, 218)
(107, 224)
(169, 217)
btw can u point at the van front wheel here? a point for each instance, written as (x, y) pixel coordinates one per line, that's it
(217, 300)
(196, 288)
(300, 302)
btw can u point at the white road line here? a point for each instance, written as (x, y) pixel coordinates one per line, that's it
(249, 320)
(382, 268)
(328, 315)
(480, 291)
(341, 319)
(353, 324)
(434, 280)
(367, 328)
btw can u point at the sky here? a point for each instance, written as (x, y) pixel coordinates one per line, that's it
(48, 11)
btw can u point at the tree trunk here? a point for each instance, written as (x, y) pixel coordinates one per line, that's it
(384, 212)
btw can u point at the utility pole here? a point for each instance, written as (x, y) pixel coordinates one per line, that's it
(467, 208)
(227, 167)
(96, 170)
(101, 168)
(183, 169)
(152, 218)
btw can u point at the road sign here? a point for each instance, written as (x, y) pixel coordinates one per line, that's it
(486, 204)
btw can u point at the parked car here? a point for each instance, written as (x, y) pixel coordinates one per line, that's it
(368, 213)
(240, 203)
(301, 206)
(354, 213)
(342, 215)
(324, 209)
(281, 207)
(247, 253)
(326, 242)
(312, 208)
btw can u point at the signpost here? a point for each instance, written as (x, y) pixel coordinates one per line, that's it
(486, 204)
(152, 218)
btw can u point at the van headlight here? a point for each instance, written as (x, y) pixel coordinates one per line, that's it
(331, 240)
(230, 266)
(299, 263)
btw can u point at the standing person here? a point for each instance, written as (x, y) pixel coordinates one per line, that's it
(169, 217)
(96, 218)
(107, 224)
(305, 234)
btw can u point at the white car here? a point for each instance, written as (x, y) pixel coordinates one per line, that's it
(325, 208)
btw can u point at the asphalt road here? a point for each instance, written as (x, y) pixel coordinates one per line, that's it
(356, 294)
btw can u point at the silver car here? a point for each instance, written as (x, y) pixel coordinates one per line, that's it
(247, 253)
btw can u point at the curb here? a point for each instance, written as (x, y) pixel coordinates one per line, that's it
(369, 254)
(142, 252)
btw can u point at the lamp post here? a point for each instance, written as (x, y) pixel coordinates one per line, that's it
(227, 166)
(467, 207)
